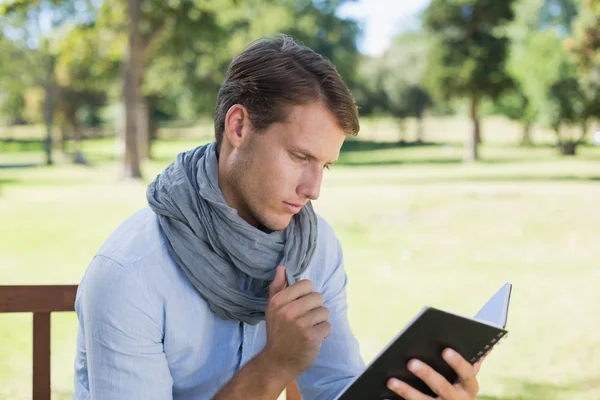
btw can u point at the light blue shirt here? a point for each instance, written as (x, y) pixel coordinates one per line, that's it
(145, 333)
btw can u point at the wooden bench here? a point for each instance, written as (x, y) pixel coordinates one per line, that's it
(43, 301)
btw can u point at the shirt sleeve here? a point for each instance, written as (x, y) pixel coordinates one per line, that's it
(339, 360)
(120, 337)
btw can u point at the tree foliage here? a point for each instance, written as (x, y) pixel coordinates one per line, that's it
(469, 56)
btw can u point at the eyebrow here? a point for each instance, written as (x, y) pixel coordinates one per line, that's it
(310, 156)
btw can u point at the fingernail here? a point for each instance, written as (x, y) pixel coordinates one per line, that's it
(393, 383)
(449, 354)
(415, 365)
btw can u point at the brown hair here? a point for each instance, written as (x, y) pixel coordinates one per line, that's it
(272, 74)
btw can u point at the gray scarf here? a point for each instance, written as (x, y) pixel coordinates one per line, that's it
(228, 261)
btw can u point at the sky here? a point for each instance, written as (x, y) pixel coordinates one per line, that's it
(380, 20)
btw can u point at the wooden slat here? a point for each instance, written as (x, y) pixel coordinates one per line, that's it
(37, 298)
(41, 356)
(292, 392)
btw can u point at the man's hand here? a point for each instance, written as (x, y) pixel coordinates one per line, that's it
(296, 325)
(466, 388)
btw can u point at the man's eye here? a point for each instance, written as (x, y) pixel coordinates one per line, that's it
(300, 157)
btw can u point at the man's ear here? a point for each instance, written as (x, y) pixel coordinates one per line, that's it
(237, 125)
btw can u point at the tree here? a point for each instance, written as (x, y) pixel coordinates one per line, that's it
(570, 106)
(147, 25)
(469, 56)
(33, 26)
(176, 53)
(191, 55)
(516, 102)
(87, 64)
(317, 25)
(546, 88)
(12, 89)
(368, 89)
(551, 84)
(515, 105)
(198, 63)
(393, 83)
(403, 68)
(586, 48)
(558, 14)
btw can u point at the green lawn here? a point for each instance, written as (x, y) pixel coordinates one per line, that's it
(417, 226)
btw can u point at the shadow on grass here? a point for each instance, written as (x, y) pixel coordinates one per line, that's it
(545, 391)
(426, 180)
(388, 161)
(365, 146)
(509, 178)
(369, 145)
(385, 163)
(366, 153)
(23, 165)
(361, 148)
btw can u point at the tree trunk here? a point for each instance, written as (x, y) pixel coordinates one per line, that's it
(143, 130)
(401, 131)
(478, 133)
(420, 129)
(63, 137)
(568, 148)
(152, 129)
(471, 145)
(49, 107)
(526, 139)
(120, 128)
(131, 89)
(77, 153)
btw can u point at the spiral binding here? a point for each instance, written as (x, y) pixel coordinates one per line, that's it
(488, 347)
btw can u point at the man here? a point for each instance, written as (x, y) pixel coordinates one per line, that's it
(229, 286)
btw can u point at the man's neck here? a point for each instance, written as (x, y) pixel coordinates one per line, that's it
(231, 195)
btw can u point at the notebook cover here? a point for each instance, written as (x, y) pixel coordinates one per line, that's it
(424, 338)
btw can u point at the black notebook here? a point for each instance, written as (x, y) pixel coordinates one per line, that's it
(425, 337)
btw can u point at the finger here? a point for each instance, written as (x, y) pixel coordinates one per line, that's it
(305, 304)
(279, 282)
(294, 292)
(323, 330)
(406, 391)
(314, 317)
(477, 365)
(436, 382)
(465, 371)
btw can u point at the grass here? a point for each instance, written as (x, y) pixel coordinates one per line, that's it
(418, 228)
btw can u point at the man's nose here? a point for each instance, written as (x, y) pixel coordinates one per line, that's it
(310, 187)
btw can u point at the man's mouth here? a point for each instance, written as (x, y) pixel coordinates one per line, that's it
(293, 207)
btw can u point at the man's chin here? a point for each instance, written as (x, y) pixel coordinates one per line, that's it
(277, 224)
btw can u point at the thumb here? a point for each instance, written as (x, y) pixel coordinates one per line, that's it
(279, 282)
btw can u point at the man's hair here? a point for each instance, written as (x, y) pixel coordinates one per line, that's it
(273, 74)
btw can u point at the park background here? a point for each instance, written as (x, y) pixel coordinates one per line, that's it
(477, 162)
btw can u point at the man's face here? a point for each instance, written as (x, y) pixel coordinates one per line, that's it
(281, 169)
